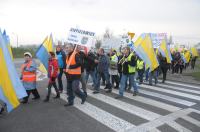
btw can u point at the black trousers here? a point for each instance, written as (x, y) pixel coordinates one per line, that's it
(164, 72)
(34, 92)
(52, 83)
(115, 79)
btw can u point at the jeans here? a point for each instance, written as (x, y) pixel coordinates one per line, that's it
(153, 74)
(140, 75)
(107, 79)
(92, 74)
(72, 89)
(83, 81)
(123, 83)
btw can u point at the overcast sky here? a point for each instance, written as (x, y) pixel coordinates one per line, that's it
(32, 20)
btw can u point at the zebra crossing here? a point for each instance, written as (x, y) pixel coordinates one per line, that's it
(159, 108)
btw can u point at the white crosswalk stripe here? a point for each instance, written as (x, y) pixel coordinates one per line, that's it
(168, 98)
(179, 88)
(125, 106)
(149, 101)
(172, 92)
(181, 84)
(191, 120)
(178, 127)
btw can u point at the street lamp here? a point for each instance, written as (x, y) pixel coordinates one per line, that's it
(17, 38)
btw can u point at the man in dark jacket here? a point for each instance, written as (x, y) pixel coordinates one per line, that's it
(90, 66)
(163, 66)
(83, 59)
(61, 57)
(102, 69)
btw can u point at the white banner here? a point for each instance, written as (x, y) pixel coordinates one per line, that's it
(81, 37)
(157, 38)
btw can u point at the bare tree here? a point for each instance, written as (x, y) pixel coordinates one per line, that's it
(107, 34)
(98, 43)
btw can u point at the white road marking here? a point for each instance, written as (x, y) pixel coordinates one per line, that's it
(172, 92)
(148, 115)
(168, 98)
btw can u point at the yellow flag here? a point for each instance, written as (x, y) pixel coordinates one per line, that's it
(194, 52)
(144, 49)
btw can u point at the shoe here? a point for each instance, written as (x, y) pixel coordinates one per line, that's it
(56, 97)
(68, 104)
(2, 110)
(116, 87)
(46, 100)
(109, 91)
(24, 102)
(106, 88)
(135, 93)
(60, 91)
(103, 84)
(83, 100)
(118, 97)
(95, 92)
(85, 94)
(35, 98)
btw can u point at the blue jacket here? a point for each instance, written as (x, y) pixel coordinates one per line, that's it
(61, 59)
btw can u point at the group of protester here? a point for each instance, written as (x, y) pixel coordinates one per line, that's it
(120, 70)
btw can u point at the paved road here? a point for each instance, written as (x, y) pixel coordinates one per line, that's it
(169, 107)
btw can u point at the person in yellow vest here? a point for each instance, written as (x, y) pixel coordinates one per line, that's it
(73, 73)
(128, 71)
(28, 77)
(140, 69)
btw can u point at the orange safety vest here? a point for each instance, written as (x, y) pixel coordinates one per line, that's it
(28, 76)
(75, 71)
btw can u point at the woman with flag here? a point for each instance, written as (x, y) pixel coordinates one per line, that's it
(28, 77)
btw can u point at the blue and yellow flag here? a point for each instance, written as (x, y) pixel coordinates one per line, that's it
(11, 88)
(194, 52)
(7, 42)
(43, 51)
(144, 49)
(164, 50)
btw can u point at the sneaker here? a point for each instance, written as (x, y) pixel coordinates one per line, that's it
(106, 88)
(68, 104)
(24, 102)
(83, 100)
(109, 91)
(85, 94)
(56, 97)
(2, 110)
(35, 98)
(46, 100)
(116, 87)
(118, 97)
(135, 93)
(95, 92)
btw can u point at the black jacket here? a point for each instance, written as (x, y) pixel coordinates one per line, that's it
(90, 64)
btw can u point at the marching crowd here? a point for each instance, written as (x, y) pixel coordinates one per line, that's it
(119, 70)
